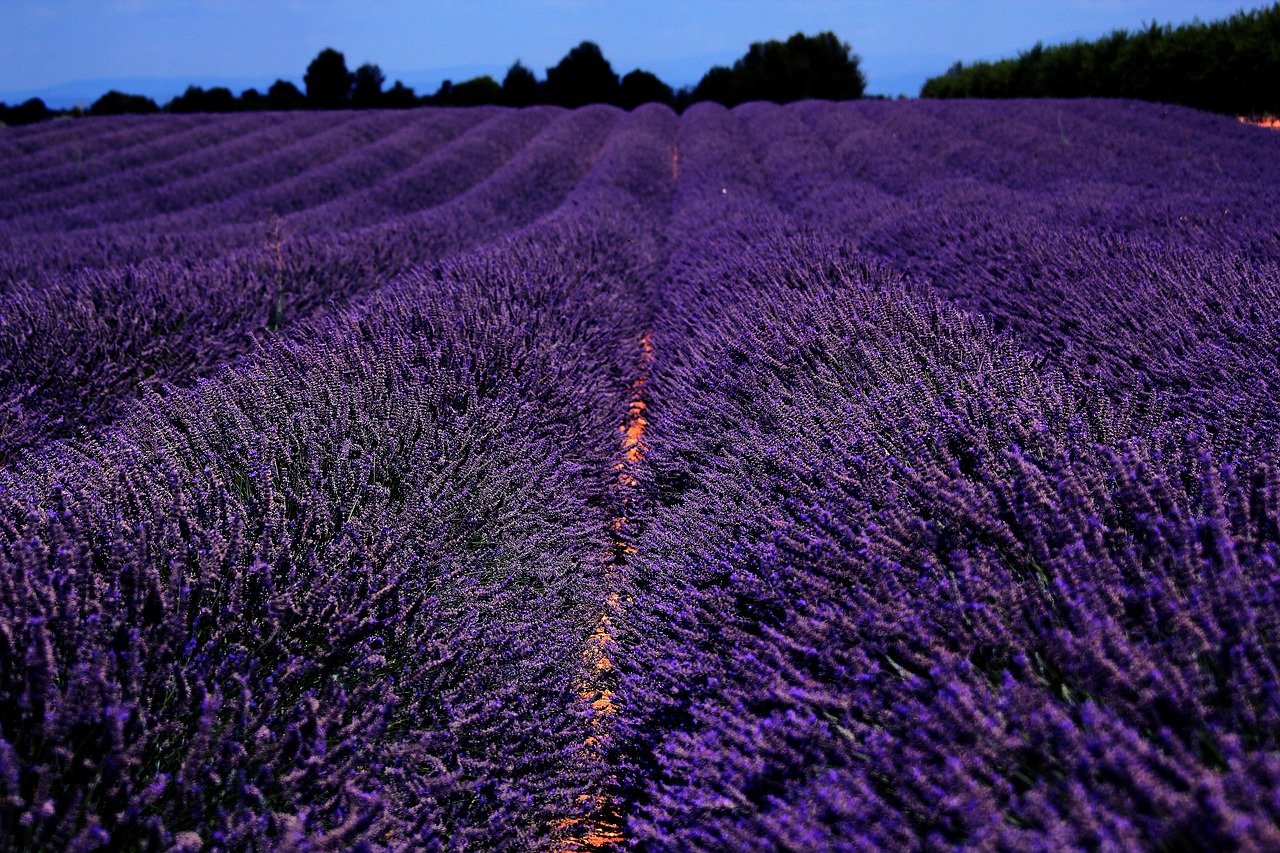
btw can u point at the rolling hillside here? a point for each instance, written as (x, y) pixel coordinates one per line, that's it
(828, 476)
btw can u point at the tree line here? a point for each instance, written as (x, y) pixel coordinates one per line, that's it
(819, 66)
(1229, 66)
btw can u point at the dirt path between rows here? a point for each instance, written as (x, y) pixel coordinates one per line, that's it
(601, 828)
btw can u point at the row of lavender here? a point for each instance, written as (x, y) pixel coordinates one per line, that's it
(1136, 244)
(908, 579)
(77, 346)
(338, 594)
(957, 521)
(1011, 222)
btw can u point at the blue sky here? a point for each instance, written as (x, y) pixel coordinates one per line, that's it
(72, 50)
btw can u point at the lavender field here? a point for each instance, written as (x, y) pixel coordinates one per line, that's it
(827, 476)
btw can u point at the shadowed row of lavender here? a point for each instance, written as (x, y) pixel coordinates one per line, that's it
(963, 506)
(957, 522)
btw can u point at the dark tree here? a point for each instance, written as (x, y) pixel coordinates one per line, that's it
(115, 103)
(328, 81)
(283, 95)
(252, 99)
(219, 99)
(469, 93)
(641, 87)
(366, 90)
(584, 76)
(803, 66)
(399, 97)
(520, 87)
(721, 85)
(27, 112)
(190, 101)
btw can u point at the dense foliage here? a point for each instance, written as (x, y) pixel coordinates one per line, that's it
(116, 103)
(919, 459)
(801, 67)
(1230, 66)
(29, 111)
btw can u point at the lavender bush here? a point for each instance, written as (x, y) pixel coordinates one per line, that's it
(299, 604)
(901, 584)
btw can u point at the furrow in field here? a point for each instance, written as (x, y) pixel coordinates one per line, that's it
(70, 151)
(444, 176)
(49, 188)
(765, 478)
(145, 179)
(209, 177)
(322, 169)
(413, 505)
(601, 825)
(178, 323)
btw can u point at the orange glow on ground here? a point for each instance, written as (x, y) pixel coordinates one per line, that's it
(1272, 122)
(601, 828)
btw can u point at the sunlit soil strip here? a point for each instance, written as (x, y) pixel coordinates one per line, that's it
(1272, 122)
(602, 826)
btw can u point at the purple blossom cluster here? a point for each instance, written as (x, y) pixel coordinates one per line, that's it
(912, 470)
